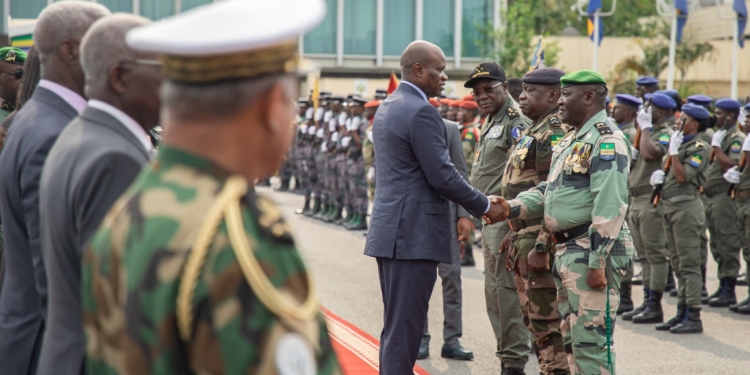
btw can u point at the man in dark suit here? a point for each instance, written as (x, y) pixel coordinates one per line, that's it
(57, 100)
(94, 160)
(410, 231)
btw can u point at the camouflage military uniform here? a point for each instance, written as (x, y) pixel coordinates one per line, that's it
(301, 155)
(144, 265)
(342, 169)
(683, 216)
(503, 307)
(586, 191)
(528, 165)
(368, 156)
(742, 198)
(356, 172)
(721, 210)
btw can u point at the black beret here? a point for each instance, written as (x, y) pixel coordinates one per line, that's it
(544, 76)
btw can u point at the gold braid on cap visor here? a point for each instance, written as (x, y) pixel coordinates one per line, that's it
(276, 59)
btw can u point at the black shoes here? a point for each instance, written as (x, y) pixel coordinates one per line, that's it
(424, 351)
(512, 371)
(736, 307)
(674, 321)
(727, 296)
(653, 312)
(691, 323)
(715, 294)
(626, 302)
(742, 279)
(456, 351)
(639, 309)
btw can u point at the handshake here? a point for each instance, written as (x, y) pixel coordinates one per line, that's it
(499, 210)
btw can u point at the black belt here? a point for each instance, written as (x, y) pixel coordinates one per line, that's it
(518, 224)
(641, 191)
(716, 190)
(687, 190)
(564, 236)
(742, 194)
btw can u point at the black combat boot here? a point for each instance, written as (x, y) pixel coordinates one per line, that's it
(674, 321)
(744, 309)
(626, 302)
(315, 207)
(736, 306)
(727, 296)
(637, 279)
(691, 323)
(360, 223)
(639, 309)
(335, 216)
(670, 281)
(324, 208)
(704, 293)
(742, 280)
(305, 207)
(512, 371)
(715, 294)
(284, 186)
(653, 312)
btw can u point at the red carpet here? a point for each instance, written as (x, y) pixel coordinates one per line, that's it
(356, 350)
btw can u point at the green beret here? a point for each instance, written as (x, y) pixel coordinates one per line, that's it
(583, 77)
(12, 55)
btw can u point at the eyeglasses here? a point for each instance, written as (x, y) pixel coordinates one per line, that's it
(477, 93)
(18, 74)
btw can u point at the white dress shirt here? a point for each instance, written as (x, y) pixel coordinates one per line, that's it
(69, 96)
(126, 121)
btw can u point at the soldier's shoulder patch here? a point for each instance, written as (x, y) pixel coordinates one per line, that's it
(607, 151)
(271, 224)
(513, 113)
(664, 138)
(603, 128)
(696, 160)
(735, 147)
(555, 139)
(516, 132)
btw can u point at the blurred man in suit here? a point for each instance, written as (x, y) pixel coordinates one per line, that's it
(57, 100)
(94, 160)
(409, 231)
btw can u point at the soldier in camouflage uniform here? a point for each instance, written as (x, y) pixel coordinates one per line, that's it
(683, 215)
(301, 152)
(342, 173)
(320, 125)
(583, 204)
(529, 165)
(498, 132)
(721, 211)
(368, 151)
(645, 221)
(356, 166)
(332, 119)
(191, 271)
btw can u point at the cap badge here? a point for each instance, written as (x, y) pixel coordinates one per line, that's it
(11, 56)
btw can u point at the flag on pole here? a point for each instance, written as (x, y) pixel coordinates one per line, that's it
(594, 5)
(316, 92)
(681, 7)
(537, 60)
(741, 9)
(392, 83)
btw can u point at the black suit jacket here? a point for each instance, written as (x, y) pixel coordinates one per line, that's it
(414, 176)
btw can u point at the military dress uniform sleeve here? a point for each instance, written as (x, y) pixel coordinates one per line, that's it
(695, 162)
(610, 164)
(529, 204)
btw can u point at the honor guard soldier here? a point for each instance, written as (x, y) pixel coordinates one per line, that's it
(683, 215)
(445, 104)
(191, 270)
(705, 102)
(646, 85)
(583, 204)
(529, 250)
(11, 68)
(302, 153)
(453, 108)
(726, 147)
(356, 166)
(624, 112)
(368, 151)
(500, 129)
(381, 94)
(645, 220)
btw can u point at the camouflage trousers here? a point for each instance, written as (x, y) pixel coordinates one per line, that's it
(538, 296)
(371, 183)
(288, 168)
(303, 171)
(721, 213)
(342, 181)
(683, 221)
(330, 185)
(358, 185)
(583, 309)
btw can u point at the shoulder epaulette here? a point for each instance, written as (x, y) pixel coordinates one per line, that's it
(603, 128)
(698, 144)
(271, 224)
(513, 113)
(554, 121)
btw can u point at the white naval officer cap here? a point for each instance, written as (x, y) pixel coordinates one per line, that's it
(231, 39)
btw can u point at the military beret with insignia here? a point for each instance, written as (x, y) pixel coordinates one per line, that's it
(695, 111)
(12, 55)
(628, 100)
(663, 101)
(583, 77)
(544, 76)
(647, 81)
(701, 100)
(728, 104)
(488, 70)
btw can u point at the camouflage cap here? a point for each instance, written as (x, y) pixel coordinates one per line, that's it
(12, 55)
(583, 77)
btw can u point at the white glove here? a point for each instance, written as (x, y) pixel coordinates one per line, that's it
(303, 129)
(369, 136)
(718, 138)
(332, 125)
(342, 118)
(323, 146)
(746, 144)
(320, 133)
(675, 142)
(732, 175)
(327, 116)
(354, 124)
(371, 174)
(634, 152)
(644, 119)
(311, 130)
(657, 178)
(345, 141)
(741, 118)
(335, 137)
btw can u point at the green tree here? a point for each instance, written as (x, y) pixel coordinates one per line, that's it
(625, 21)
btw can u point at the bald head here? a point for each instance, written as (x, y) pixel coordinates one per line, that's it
(419, 52)
(423, 65)
(61, 21)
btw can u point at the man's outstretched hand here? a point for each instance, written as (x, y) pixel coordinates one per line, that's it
(464, 228)
(499, 210)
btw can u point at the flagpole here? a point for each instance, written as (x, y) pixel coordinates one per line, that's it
(735, 54)
(596, 40)
(672, 45)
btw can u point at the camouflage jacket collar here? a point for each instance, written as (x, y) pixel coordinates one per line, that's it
(169, 156)
(538, 124)
(589, 125)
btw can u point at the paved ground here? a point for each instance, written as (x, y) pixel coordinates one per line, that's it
(348, 285)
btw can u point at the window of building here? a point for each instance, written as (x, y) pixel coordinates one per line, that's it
(360, 18)
(438, 23)
(26, 8)
(475, 14)
(157, 9)
(114, 6)
(190, 4)
(399, 25)
(323, 38)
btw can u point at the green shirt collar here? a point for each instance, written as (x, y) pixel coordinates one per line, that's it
(589, 125)
(170, 156)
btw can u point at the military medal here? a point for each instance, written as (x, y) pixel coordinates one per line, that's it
(577, 168)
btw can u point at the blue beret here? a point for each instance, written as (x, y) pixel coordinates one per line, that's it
(606, 100)
(544, 76)
(747, 106)
(699, 100)
(663, 101)
(647, 81)
(696, 111)
(647, 96)
(670, 93)
(728, 104)
(628, 100)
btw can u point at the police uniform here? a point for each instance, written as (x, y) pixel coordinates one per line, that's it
(628, 128)
(529, 165)
(15, 57)
(191, 271)
(583, 203)
(340, 162)
(357, 190)
(497, 134)
(302, 154)
(742, 197)
(646, 85)
(368, 153)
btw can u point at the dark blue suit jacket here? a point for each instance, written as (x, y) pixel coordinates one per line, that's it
(414, 176)
(23, 301)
